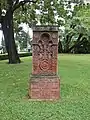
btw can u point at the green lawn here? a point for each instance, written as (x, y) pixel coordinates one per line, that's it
(74, 71)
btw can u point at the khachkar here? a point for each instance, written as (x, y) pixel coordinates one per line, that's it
(44, 82)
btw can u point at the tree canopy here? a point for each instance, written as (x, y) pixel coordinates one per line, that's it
(7, 9)
(72, 15)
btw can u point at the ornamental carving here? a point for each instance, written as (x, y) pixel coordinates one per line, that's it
(44, 54)
(44, 82)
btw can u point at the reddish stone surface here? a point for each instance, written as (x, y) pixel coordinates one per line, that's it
(44, 83)
(45, 88)
(45, 49)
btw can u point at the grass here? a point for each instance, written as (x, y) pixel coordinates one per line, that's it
(74, 71)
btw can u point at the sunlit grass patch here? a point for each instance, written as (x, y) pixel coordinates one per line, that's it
(74, 104)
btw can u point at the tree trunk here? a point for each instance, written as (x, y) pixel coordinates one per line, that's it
(66, 44)
(60, 49)
(7, 27)
(77, 43)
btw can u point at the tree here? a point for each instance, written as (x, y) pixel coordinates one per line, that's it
(3, 45)
(78, 30)
(74, 31)
(23, 38)
(7, 8)
(56, 12)
(60, 13)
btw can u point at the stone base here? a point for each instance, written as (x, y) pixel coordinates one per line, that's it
(44, 87)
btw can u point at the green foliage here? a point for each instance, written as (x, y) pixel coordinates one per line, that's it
(77, 30)
(57, 12)
(23, 38)
(45, 12)
(4, 4)
(83, 14)
(84, 48)
(5, 56)
(25, 14)
(74, 104)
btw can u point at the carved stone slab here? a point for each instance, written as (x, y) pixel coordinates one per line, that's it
(45, 48)
(45, 51)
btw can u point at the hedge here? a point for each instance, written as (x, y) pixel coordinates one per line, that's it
(5, 56)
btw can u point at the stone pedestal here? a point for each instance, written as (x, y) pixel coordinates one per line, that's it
(44, 83)
(44, 87)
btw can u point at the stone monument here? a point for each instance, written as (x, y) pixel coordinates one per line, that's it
(44, 82)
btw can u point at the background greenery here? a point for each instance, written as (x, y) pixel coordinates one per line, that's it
(72, 17)
(24, 54)
(74, 104)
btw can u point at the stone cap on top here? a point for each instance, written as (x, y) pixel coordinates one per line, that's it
(45, 28)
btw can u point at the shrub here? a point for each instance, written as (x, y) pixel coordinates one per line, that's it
(5, 56)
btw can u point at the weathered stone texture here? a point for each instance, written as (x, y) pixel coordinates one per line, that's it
(45, 50)
(45, 88)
